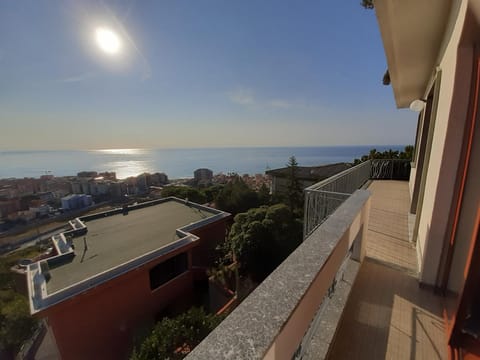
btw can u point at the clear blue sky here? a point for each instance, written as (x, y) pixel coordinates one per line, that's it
(198, 73)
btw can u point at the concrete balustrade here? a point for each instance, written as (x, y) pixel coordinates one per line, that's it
(272, 321)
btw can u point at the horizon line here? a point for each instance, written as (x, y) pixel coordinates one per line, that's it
(204, 147)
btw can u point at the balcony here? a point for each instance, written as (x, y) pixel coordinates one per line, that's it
(387, 315)
(349, 291)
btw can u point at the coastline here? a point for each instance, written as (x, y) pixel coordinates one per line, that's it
(177, 163)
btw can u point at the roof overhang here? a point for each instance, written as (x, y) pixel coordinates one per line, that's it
(412, 33)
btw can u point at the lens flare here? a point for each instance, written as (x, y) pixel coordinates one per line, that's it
(108, 41)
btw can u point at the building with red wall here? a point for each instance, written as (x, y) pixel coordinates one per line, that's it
(116, 272)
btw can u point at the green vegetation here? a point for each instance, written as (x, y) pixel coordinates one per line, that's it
(261, 239)
(294, 196)
(264, 195)
(236, 197)
(185, 192)
(7, 261)
(265, 230)
(174, 338)
(212, 192)
(367, 4)
(406, 154)
(16, 323)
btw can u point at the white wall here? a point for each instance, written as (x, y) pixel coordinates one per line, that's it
(450, 118)
(411, 183)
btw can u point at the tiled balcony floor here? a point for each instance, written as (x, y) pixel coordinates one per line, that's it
(387, 315)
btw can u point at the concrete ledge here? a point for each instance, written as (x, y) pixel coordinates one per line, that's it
(271, 322)
(321, 340)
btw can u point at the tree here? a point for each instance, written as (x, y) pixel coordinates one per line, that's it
(174, 338)
(294, 189)
(367, 4)
(262, 238)
(212, 192)
(374, 154)
(390, 154)
(237, 197)
(185, 192)
(6, 278)
(264, 194)
(16, 323)
(407, 153)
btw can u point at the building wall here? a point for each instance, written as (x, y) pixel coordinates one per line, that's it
(450, 116)
(280, 184)
(411, 183)
(9, 206)
(203, 175)
(470, 204)
(211, 235)
(100, 323)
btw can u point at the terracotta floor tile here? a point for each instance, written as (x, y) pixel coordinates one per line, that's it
(388, 316)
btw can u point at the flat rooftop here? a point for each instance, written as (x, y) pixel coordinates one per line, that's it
(116, 239)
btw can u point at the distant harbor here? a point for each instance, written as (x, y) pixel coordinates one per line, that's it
(176, 163)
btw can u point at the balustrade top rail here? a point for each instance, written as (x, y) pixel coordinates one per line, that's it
(324, 197)
(345, 182)
(272, 320)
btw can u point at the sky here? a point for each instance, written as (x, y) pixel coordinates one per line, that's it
(198, 73)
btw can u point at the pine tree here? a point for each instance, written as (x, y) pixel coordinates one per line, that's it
(294, 189)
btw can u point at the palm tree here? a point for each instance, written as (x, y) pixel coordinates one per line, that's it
(374, 154)
(390, 154)
(407, 153)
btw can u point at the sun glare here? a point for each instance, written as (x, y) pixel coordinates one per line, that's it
(108, 41)
(122, 151)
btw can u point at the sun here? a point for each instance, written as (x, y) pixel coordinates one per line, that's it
(108, 41)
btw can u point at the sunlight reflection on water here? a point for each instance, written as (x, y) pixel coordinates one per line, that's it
(127, 162)
(128, 168)
(176, 163)
(123, 151)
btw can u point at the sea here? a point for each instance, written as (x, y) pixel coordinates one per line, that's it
(176, 163)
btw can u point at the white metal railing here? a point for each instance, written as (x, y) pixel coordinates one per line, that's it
(324, 197)
(394, 169)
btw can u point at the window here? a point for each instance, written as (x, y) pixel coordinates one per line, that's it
(167, 270)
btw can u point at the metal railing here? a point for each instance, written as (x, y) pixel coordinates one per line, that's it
(397, 169)
(324, 197)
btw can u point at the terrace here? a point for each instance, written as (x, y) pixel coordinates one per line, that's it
(388, 316)
(350, 290)
(114, 240)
